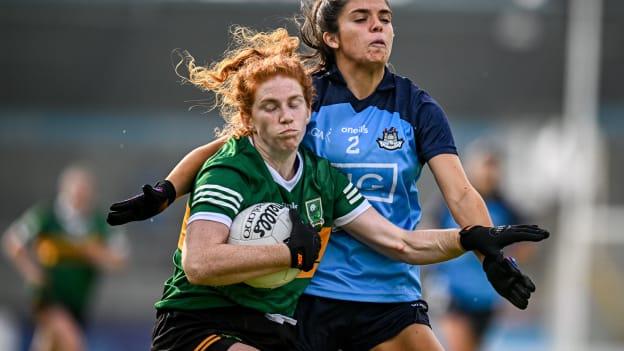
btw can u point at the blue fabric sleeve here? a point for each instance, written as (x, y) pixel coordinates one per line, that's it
(433, 132)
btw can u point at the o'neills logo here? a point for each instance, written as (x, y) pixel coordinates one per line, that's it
(390, 139)
(260, 221)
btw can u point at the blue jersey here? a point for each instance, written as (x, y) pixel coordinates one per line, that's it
(381, 143)
(467, 283)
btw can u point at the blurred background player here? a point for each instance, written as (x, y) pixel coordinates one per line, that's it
(59, 247)
(472, 302)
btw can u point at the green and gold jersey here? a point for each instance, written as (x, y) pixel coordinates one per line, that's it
(60, 238)
(237, 177)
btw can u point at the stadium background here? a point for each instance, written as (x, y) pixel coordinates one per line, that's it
(93, 80)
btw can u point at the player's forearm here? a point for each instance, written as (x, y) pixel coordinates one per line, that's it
(470, 209)
(183, 174)
(226, 264)
(19, 255)
(428, 246)
(415, 247)
(103, 256)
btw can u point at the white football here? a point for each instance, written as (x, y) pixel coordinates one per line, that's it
(264, 224)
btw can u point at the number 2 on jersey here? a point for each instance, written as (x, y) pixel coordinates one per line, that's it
(352, 148)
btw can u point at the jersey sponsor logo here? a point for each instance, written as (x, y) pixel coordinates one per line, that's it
(357, 130)
(376, 181)
(314, 210)
(390, 139)
(321, 134)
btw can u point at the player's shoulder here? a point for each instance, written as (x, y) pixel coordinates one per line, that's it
(417, 105)
(237, 155)
(412, 92)
(41, 210)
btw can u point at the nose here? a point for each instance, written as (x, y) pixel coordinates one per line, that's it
(377, 25)
(286, 116)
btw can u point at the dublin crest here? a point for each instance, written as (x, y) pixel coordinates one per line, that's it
(390, 139)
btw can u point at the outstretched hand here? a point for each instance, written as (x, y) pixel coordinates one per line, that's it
(491, 240)
(149, 203)
(507, 279)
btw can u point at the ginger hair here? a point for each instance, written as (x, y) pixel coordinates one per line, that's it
(253, 58)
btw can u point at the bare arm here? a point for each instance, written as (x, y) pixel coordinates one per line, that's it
(18, 253)
(208, 260)
(464, 202)
(415, 247)
(183, 174)
(104, 256)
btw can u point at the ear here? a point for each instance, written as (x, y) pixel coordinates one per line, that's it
(331, 40)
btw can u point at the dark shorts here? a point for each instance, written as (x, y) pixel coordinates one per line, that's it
(329, 325)
(479, 320)
(218, 329)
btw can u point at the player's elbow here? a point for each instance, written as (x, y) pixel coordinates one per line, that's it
(399, 250)
(196, 272)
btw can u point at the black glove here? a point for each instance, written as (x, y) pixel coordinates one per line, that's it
(491, 240)
(506, 278)
(304, 243)
(151, 202)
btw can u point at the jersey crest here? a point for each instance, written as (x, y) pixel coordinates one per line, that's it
(390, 139)
(314, 210)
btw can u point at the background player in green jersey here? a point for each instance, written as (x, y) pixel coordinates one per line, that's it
(70, 242)
(265, 97)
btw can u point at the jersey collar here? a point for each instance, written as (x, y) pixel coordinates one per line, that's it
(286, 184)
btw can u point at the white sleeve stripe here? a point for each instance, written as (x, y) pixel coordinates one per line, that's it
(352, 193)
(219, 195)
(210, 216)
(214, 202)
(347, 188)
(349, 217)
(355, 199)
(221, 188)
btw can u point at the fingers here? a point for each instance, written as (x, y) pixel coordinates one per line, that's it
(517, 300)
(521, 290)
(507, 279)
(117, 218)
(522, 233)
(531, 229)
(122, 205)
(528, 283)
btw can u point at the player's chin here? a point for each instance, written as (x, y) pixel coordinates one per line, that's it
(290, 142)
(378, 56)
(290, 146)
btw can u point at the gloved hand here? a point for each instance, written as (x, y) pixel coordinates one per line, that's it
(506, 278)
(304, 243)
(151, 202)
(491, 240)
